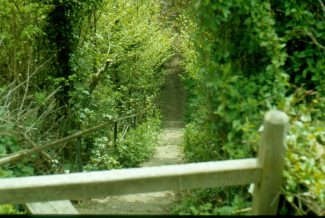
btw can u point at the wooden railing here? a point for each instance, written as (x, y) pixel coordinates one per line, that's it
(17, 156)
(265, 172)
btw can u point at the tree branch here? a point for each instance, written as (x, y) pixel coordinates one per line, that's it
(313, 38)
(322, 5)
(96, 77)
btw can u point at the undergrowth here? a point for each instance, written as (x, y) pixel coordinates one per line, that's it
(9, 209)
(137, 146)
(213, 201)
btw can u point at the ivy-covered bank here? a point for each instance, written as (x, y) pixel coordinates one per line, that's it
(243, 58)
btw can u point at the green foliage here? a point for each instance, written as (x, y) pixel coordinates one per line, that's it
(50, 54)
(135, 148)
(21, 27)
(9, 209)
(199, 145)
(301, 28)
(19, 125)
(132, 38)
(243, 58)
(139, 144)
(26, 110)
(212, 202)
(304, 176)
(102, 156)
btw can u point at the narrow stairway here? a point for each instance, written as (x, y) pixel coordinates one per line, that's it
(168, 152)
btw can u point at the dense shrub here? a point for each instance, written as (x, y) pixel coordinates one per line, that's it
(69, 65)
(9, 209)
(139, 144)
(130, 150)
(242, 59)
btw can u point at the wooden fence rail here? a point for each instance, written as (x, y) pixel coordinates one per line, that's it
(17, 156)
(265, 172)
(129, 181)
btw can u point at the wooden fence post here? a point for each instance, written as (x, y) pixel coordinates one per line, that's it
(134, 122)
(79, 155)
(115, 133)
(271, 156)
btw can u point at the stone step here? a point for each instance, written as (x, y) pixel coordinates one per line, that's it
(173, 123)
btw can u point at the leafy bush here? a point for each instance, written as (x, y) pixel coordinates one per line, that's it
(139, 144)
(22, 123)
(212, 201)
(9, 209)
(304, 176)
(132, 37)
(199, 145)
(50, 56)
(102, 156)
(244, 58)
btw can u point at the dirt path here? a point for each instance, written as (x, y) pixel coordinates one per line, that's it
(172, 104)
(172, 97)
(168, 152)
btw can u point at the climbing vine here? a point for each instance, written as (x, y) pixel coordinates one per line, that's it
(240, 57)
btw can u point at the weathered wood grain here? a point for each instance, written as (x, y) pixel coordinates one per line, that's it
(51, 207)
(128, 181)
(271, 157)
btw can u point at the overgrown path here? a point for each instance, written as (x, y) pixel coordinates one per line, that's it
(168, 152)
